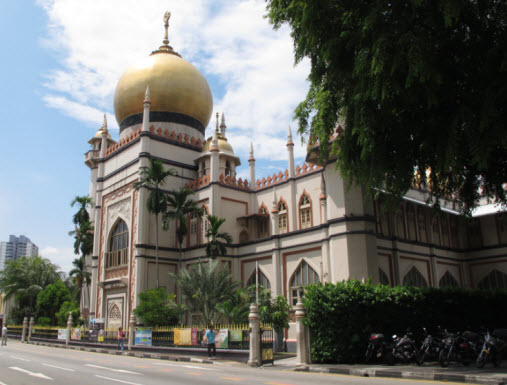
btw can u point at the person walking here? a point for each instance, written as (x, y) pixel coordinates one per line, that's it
(4, 336)
(209, 338)
(120, 338)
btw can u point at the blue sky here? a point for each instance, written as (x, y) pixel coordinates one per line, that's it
(61, 62)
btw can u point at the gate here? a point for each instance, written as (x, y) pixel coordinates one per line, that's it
(267, 340)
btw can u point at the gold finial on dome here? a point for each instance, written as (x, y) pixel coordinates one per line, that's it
(165, 47)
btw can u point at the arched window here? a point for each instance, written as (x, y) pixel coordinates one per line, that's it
(304, 275)
(282, 217)
(194, 237)
(494, 280)
(448, 280)
(118, 246)
(305, 212)
(203, 165)
(384, 227)
(227, 168)
(421, 224)
(263, 280)
(383, 278)
(414, 278)
(412, 231)
(400, 223)
(204, 224)
(263, 222)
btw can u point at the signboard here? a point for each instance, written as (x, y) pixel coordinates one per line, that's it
(183, 336)
(143, 337)
(236, 335)
(222, 338)
(194, 337)
(75, 334)
(62, 334)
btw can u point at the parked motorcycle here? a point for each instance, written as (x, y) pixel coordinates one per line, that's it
(377, 348)
(462, 348)
(430, 348)
(494, 345)
(404, 350)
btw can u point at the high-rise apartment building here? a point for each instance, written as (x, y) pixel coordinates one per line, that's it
(16, 247)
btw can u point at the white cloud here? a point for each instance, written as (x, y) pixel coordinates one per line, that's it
(61, 256)
(248, 65)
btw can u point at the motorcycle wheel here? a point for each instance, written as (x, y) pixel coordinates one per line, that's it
(443, 358)
(481, 360)
(419, 358)
(369, 355)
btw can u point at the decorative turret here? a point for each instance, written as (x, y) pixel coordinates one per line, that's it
(251, 163)
(94, 154)
(290, 150)
(223, 127)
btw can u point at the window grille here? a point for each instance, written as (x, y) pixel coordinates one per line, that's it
(304, 275)
(448, 280)
(414, 278)
(118, 247)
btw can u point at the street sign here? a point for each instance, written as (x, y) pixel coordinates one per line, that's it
(86, 312)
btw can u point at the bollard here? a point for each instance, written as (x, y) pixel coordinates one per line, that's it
(255, 336)
(30, 327)
(303, 336)
(132, 331)
(23, 333)
(69, 328)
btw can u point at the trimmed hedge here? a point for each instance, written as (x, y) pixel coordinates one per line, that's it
(342, 316)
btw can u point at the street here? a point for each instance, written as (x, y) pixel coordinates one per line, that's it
(31, 364)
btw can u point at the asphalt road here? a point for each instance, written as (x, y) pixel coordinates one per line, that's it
(31, 364)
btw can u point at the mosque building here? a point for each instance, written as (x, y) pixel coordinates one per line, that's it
(301, 225)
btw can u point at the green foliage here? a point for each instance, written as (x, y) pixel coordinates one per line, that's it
(417, 85)
(83, 234)
(217, 240)
(204, 286)
(237, 306)
(156, 308)
(81, 216)
(26, 277)
(17, 314)
(51, 299)
(342, 316)
(79, 274)
(44, 321)
(276, 312)
(63, 314)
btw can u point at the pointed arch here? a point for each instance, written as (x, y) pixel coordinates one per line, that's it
(263, 280)
(414, 278)
(302, 276)
(117, 254)
(448, 280)
(305, 211)
(383, 278)
(283, 216)
(494, 280)
(263, 223)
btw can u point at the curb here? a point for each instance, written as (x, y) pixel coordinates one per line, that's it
(128, 353)
(443, 377)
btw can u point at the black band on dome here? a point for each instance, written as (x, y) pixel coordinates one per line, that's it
(163, 116)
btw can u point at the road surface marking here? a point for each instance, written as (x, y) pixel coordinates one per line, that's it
(1, 383)
(114, 370)
(195, 374)
(183, 366)
(143, 366)
(276, 383)
(39, 375)
(18, 358)
(59, 367)
(166, 370)
(232, 378)
(114, 379)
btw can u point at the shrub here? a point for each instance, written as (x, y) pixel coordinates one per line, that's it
(157, 308)
(63, 314)
(342, 316)
(43, 321)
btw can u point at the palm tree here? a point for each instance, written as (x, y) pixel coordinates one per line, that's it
(26, 277)
(83, 236)
(80, 276)
(179, 209)
(205, 286)
(153, 177)
(216, 240)
(82, 214)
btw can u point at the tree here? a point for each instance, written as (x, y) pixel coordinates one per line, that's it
(63, 314)
(204, 286)
(51, 299)
(276, 312)
(237, 306)
(180, 207)
(217, 240)
(156, 308)
(80, 276)
(419, 86)
(81, 216)
(152, 178)
(25, 277)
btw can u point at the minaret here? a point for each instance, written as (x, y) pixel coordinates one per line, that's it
(214, 156)
(323, 200)
(223, 127)
(290, 150)
(251, 162)
(146, 113)
(103, 145)
(274, 214)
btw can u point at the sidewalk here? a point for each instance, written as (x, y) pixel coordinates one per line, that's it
(431, 372)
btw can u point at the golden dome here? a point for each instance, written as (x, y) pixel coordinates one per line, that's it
(223, 145)
(99, 134)
(176, 87)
